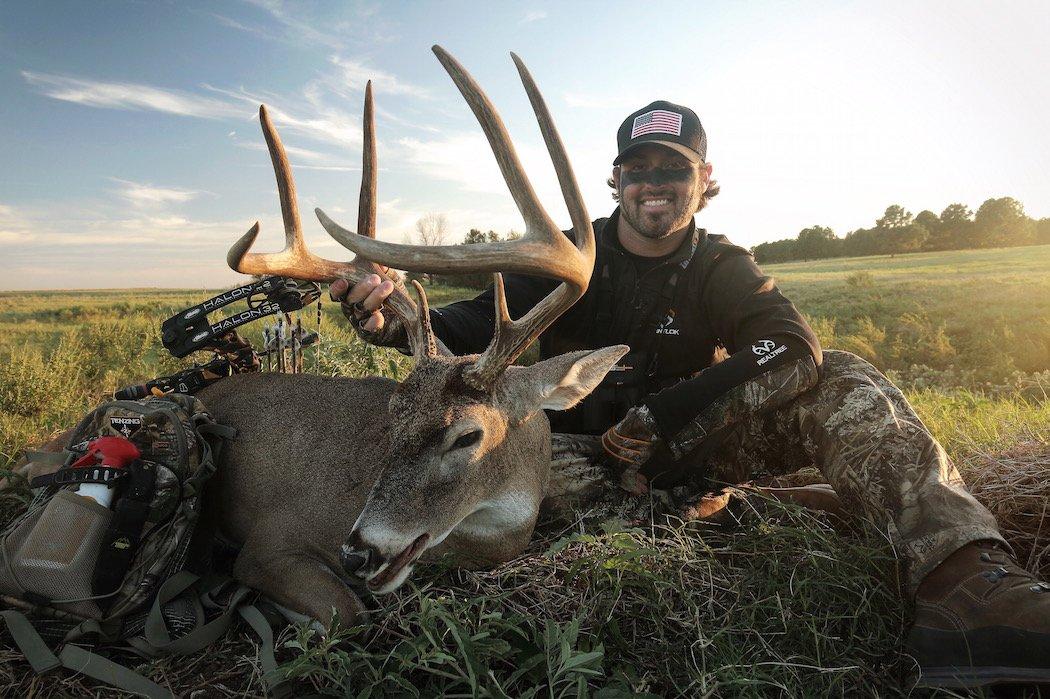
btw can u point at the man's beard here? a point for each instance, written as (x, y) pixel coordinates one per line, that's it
(657, 227)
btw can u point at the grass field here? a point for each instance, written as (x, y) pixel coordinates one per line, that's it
(781, 604)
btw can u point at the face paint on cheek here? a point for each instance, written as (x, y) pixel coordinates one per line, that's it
(654, 177)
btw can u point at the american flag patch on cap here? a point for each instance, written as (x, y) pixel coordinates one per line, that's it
(657, 121)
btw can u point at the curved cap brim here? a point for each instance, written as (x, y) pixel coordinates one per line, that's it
(689, 153)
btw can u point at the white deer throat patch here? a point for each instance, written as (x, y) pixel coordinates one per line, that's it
(507, 513)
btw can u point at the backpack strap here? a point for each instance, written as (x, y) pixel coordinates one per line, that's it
(105, 670)
(77, 659)
(214, 428)
(29, 642)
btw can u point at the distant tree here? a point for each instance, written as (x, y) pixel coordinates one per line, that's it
(1003, 222)
(896, 232)
(1042, 231)
(513, 235)
(431, 229)
(956, 230)
(479, 280)
(910, 238)
(863, 241)
(776, 251)
(929, 220)
(956, 213)
(896, 216)
(816, 242)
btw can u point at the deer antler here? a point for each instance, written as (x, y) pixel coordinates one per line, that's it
(298, 262)
(543, 251)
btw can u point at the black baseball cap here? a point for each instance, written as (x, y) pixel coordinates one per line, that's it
(667, 124)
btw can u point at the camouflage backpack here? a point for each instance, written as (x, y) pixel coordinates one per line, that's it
(76, 571)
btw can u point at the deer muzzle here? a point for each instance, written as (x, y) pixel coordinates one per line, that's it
(381, 573)
(353, 560)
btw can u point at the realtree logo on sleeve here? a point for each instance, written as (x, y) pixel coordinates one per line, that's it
(765, 350)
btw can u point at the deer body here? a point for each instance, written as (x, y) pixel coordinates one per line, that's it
(314, 472)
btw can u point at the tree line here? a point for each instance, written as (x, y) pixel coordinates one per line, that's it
(998, 222)
(432, 229)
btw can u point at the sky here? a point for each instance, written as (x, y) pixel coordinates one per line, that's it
(132, 155)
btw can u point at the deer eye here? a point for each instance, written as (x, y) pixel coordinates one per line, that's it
(466, 440)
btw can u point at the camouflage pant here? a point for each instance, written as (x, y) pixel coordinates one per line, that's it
(857, 428)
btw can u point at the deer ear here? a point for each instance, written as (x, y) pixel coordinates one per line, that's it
(560, 382)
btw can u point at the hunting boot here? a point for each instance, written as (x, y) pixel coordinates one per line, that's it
(981, 619)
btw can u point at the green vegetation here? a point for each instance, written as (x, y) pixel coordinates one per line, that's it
(783, 603)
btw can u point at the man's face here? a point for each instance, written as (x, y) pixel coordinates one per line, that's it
(659, 189)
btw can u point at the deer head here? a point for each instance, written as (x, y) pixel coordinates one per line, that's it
(469, 446)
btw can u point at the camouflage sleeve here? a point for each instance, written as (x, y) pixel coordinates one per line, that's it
(758, 394)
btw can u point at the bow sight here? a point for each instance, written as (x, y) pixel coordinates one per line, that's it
(189, 330)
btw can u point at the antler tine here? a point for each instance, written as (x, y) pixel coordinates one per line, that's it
(421, 335)
(295, 260)
(570, 190)
(366, 207)
(512, 337)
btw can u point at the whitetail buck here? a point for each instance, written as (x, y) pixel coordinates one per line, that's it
(331, 477)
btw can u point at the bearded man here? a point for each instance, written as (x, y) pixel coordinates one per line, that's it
(682, 299)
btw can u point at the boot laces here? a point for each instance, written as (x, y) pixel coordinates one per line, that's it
(1001, 571)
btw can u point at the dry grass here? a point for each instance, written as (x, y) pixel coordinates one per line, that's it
(1015, 486)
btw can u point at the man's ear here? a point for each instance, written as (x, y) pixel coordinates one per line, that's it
(616, 177)
(557, 383)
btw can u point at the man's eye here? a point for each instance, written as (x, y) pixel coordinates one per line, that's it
(467, 440)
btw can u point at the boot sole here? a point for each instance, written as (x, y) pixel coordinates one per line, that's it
(961, 678)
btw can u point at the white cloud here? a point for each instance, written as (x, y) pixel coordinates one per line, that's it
(533, 16)
(295, 153)
(15, 236)
(461, 158)
(324, 123)
(303, 32)
(131, 96)
(353, 74)
(148, 195)
(241, 26)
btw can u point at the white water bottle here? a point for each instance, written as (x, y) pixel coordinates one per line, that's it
(108, 452)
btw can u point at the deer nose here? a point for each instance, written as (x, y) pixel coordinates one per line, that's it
(357, 556)
(353, 560)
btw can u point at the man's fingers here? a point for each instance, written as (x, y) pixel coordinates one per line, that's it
(374, 323)
(377, 296)
(337, 289)
(360, 291)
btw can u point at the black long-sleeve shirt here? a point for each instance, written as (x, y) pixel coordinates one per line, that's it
(710, 296)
